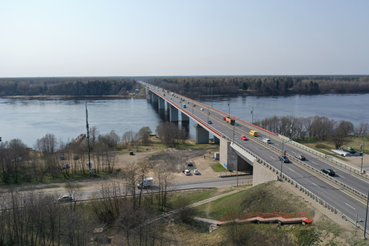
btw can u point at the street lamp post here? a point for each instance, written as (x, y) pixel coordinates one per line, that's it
(229, 106)
(366, 214)
(362, 153)
(280, 175)
(357, 220)
(252, 115)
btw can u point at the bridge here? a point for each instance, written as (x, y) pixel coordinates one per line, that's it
(344, 194)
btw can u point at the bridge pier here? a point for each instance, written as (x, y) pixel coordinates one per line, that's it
(173, 113)
(161, 103)
(154, 98)
(185, 117)
(235, 158)
(202, 135)
(216, 140)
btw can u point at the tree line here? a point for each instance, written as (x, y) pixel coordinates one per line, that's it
(262, 85)
(67, 86)
(319, 127)
(51, 159)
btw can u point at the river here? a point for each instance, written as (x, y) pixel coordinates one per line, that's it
(32, 119)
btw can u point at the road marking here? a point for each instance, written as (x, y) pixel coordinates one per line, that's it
(292, 170)
(350, 206)
(315, 184)
(271, 157)
(314, 162)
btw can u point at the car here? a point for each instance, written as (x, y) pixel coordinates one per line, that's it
(196, 172)
(266, 140)
(201, 109)
(283, 158)
(243, 137)
(65, 198)
(328, 171)
(187, 172)
(209, 122)
(301, 157)
(189, 164)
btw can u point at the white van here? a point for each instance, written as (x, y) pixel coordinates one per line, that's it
(267, 140)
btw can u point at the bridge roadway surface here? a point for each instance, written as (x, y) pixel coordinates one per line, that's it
(332, 193)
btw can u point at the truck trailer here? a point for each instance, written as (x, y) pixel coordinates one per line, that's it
(230, 120)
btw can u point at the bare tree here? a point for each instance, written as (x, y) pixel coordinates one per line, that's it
(144, 135)
(362, 129)
(165, 184)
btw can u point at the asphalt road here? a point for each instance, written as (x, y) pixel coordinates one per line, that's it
(334, 195)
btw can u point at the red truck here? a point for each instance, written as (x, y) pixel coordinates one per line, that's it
(230, 120)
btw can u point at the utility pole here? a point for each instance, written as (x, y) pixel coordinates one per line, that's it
(229, 106)
(366, 215)
(88, 139)
(362, 153)
(252, 114)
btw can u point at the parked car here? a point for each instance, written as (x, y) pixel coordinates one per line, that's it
(301, 157)
(267, 140)
(209, 122)
(196, 172)
(189, 164)
(187, 172)
(284, 158)
(243, 137)
(328, 171)
(65, 198)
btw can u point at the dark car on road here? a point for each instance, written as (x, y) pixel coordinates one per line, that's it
(284, 158)
(328, 171)
(301, 157)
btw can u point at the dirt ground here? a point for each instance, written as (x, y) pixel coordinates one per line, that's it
(175, 160)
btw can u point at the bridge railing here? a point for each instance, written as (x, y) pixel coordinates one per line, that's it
(310, 194)
(326, 157)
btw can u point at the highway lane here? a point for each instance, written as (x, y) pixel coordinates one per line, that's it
(331, 194)
(89, 193)
(350, 179)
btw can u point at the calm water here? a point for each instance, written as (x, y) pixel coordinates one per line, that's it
(31, 119)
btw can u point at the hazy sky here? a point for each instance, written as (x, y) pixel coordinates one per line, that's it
(183, 37)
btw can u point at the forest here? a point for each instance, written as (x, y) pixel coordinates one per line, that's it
(261, 85)
(67, 86)
(187, 86)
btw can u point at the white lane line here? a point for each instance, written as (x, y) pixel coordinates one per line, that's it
(293, 152)
(350, 206)
(314, 162)
(292, 170)
(271, 157)
(315, 184)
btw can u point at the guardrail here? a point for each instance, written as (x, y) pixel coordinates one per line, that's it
(328, 158)
(310, 193)
(345, 186)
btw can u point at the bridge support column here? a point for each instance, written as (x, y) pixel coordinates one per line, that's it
(216, 140)
(185, 117)
(173, 113)
(154, 98)
(228, 157)
(202, 135)
(161, 103)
